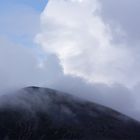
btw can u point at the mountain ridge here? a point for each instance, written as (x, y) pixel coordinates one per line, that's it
(41, 113)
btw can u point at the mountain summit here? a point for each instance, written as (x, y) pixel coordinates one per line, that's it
(35, 113)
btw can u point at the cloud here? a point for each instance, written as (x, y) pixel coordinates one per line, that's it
(84, 43)
(19, 67)
(96, 59)
(18, 64)
(124, 13)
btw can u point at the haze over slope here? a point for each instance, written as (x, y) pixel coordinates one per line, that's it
(42, 113)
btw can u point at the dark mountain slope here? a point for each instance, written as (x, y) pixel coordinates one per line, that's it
(43, 114)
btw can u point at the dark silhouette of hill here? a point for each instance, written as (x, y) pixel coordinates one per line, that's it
(35, 113)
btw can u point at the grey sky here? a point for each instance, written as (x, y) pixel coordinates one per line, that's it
(125, 13)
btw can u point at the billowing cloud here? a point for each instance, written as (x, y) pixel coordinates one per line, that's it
(19, 68)
(84, 43)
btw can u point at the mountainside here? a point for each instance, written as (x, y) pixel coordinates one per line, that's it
(35, 113)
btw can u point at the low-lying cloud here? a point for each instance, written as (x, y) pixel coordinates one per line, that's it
(20, 68)
(97, 62)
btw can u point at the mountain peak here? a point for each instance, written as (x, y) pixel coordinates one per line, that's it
(51, 114)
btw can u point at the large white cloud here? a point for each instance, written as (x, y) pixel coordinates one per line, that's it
(84, 43)
(19, 68)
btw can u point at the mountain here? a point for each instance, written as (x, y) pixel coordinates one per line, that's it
(35, 113)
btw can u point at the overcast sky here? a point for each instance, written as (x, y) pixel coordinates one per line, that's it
(89, 48)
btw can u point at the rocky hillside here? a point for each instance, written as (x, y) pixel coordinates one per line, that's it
(35, 113)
